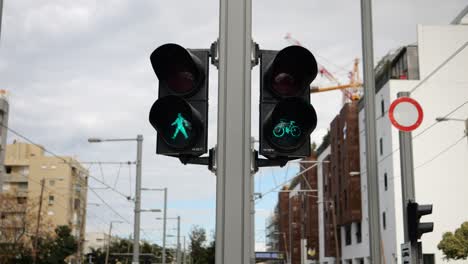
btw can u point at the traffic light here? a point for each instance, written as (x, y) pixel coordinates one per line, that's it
(286, 116)
(414, 213)
(180, 115)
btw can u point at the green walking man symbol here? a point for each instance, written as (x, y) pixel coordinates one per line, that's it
(181, 123)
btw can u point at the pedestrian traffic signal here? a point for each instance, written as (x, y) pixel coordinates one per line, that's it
(286, 116)
(180, 115)
(414, 213)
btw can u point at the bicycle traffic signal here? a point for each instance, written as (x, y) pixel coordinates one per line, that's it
(286, 116)
(414, 213)
(180, 115)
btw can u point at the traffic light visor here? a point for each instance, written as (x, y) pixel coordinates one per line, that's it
(290, 123)
(291, 72)
(176, 121)
(179, 69)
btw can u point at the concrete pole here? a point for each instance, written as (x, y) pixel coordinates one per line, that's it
(233, 190)
(164, 227)
(108, 243)
(407, 180)
(178, 241)
(185, 257)
(371, 135)
(136, 229)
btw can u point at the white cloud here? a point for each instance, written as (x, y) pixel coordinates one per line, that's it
(77, 69)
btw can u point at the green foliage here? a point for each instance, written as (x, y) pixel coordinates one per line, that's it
(125, 246)
(55, 250)
(455, 245)
(201, 253)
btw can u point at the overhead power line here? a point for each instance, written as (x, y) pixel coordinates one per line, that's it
(440, 153)
(440, 66)
(65, 161)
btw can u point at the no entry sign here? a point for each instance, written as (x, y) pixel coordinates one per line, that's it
(405, 114)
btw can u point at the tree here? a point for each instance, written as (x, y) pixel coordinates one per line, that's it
(200, 252)
(17, 226)
(56, 249)
(455, 245)
(197, 240)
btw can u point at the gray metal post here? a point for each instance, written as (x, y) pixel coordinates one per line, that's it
(1, 12)
(233, 230)
(136, 225)
(178, 240)
(407, 180)
(371, 138)
(164, 227)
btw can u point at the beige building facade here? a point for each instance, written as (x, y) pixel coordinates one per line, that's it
(63, 181)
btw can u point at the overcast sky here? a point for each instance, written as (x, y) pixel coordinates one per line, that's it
(80, 69)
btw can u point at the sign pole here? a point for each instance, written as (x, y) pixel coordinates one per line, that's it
(371, 134)
(407, 181)
(233, 185)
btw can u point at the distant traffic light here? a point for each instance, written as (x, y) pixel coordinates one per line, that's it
(180, 115)
(286, 116)
(414, 213)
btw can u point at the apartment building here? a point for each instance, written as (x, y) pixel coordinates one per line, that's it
(60, 181)
(437, 66)
(4, 109)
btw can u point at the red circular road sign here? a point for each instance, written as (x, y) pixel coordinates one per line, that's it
(405, 114)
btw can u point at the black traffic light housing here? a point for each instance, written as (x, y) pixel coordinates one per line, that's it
(414, 213)
(286, 116)
(180, 115)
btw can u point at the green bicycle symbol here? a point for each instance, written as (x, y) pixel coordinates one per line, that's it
(285, 127)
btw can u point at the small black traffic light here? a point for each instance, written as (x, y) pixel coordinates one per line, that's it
(414, 213)
(180, 115)
(286, 116)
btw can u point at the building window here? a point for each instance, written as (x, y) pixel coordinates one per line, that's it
(51, 200)
(358, 232)
(382, 107)
(21, 200)
(348, 234)
(385, 181)
(381, 146)
(8, 169)
(384, 220)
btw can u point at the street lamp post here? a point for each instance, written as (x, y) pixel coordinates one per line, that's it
(178, 234)
(136, 226)
(109, 240)
(441, 119)
(164, 219)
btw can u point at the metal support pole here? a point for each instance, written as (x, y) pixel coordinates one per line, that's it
(136, 230)
(371, 135)
(1, 15)
(178, 241)
(164, 227)
(108, 243)
(233, 222)
(407, 181)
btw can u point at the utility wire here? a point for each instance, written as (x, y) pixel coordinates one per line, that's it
(64, 160)
(110, 207)
(420, 133)
(440, 153)
(440, 66)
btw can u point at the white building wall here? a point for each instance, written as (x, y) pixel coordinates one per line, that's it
(320, 176)
(442, 181)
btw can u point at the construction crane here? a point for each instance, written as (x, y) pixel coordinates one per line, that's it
(350, 91)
